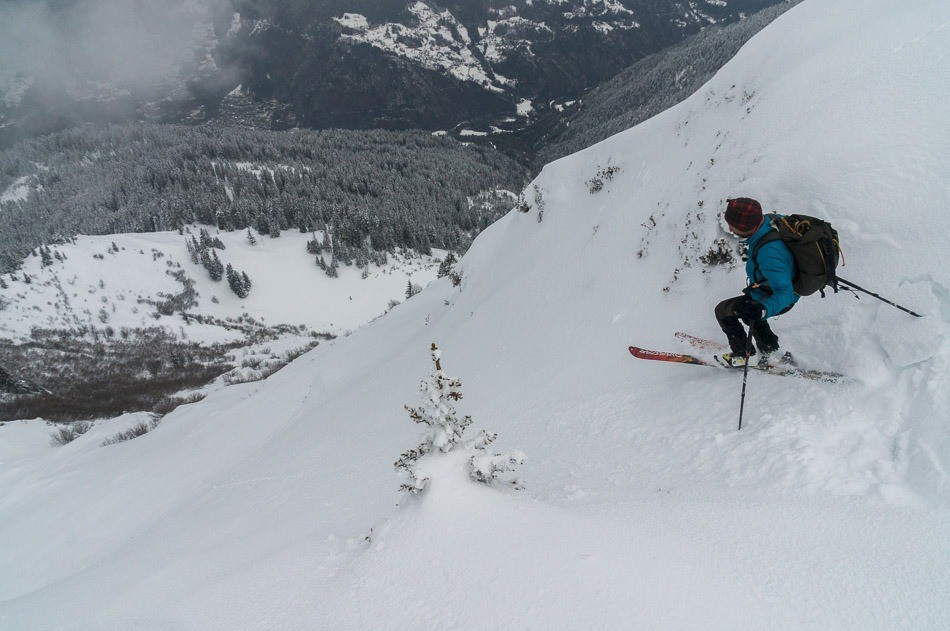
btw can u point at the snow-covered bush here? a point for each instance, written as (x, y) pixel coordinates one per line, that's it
(486, 465)
(444, 434)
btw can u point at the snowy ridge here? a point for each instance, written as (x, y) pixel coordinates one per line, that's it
(271, 505)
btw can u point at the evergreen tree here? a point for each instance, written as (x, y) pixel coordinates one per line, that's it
(439, 393)
(250, 237)
(194, 250)
(313, 245)
(207, 241)
(446, 267)
(217, 270)
(211, 262)
(239, 283)
(46, 256)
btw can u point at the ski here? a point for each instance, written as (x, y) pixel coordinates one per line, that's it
(786, 370)
(784, 367)
(770, 369)
(678, 358)
(699, 342)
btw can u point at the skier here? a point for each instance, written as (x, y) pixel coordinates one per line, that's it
(769, 291)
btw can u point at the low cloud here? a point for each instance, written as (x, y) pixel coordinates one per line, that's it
(72, 44)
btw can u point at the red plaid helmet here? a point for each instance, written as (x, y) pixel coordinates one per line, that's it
(744, 214)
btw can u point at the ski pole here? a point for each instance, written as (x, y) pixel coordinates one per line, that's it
(745, 372)
(849, 285)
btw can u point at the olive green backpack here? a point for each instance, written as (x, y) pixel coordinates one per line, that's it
(814, 246)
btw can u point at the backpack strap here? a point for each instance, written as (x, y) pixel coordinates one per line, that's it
(769, 237)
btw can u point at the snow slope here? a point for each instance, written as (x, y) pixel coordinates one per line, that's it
(272, 504)
(287, 286)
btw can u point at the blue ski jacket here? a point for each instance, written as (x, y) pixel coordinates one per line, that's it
(777, 268)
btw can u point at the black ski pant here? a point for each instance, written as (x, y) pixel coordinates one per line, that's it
(731, 325)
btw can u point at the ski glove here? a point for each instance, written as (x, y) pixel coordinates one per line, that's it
(749, 309)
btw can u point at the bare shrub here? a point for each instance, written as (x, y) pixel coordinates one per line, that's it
(294, 353)
(69, 432)
(604, 175)
(104, 378)
(720, 253)
(168, 404)
(133, 432)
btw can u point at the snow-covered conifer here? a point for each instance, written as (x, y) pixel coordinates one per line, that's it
(251, 238)
(217, 269)
(446, 267)
(194, 249)
(314, 246)
(235, 282)
(211, 262)
(439, 392)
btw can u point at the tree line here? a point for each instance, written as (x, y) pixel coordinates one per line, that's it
(373, 191)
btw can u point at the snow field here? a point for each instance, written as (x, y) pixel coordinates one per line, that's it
(287, 286)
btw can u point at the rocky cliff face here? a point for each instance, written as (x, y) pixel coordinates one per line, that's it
(440, 64)
(474, 67)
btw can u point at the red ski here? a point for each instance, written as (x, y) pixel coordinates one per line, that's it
(678, 358)
(778, 370)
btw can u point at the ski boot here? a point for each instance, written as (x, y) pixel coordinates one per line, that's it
(738, 360)
(776, 359)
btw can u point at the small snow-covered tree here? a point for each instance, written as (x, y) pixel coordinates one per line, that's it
(251, 238)
(412, 289)
(446, 267)
(439, 393)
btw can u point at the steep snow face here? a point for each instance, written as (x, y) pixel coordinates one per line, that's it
(805, 120)
(270, 505)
